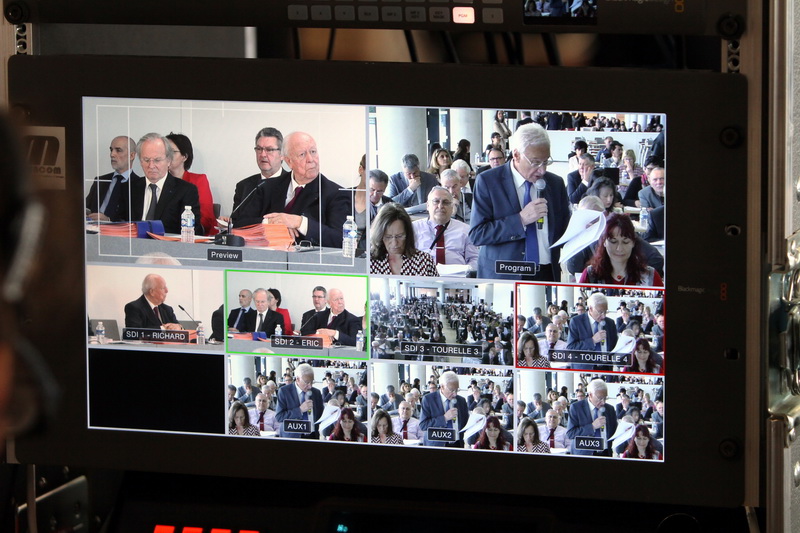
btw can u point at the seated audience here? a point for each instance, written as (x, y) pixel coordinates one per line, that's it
(528, 438)
(239, 421)
(392, 249)
(382, 431)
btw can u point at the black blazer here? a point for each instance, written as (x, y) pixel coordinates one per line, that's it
(320, 202)
(347, 324)
(98, 191)
(249, 317)
(243, 188)
(308, 324)
(175, 195)
(139, 314)
(271, 319)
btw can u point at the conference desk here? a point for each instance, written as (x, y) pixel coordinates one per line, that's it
(264, 348)
(109, 249)
(161, 346)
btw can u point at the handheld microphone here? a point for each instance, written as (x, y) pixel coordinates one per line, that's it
(228, 239)
(601, 326)
(540, 186)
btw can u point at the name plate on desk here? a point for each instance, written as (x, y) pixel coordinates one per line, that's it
(155, 335)
(441, 434)
(433, 348)
(592, 358)
(595, 444)
(225, 255)
(290, 341)
(297, 426)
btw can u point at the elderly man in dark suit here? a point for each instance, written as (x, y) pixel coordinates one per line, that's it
(592, 417)
(244, 314)
(300, 401)
(149, 310)
(104, 201)
(337, 322)
(592, 331)
(519, 210)
(161, 196)
(445, 409)
(305, 201)
(264, 320)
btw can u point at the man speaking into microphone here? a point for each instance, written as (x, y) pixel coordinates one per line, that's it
(592, 331)
(518, 210)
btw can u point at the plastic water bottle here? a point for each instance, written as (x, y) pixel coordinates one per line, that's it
(278, 330)
(201, 334)
(360, 341)
(187, 224)
(349, 237)
(100, 331)
(644, 218)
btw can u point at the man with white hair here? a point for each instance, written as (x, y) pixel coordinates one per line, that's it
(445, 239)
(518, 210)
(592, 331)
(300, 401)
(592, 417)
(463, 199)
(445, 409)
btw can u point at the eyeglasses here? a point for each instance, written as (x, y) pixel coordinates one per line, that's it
(437, 201)
(398, 237)
(260, 149)
(536, 164)
(498, 159)
(157, 160)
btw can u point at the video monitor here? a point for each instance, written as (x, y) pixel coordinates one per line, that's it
(299, 265)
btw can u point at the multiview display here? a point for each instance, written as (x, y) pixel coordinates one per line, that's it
(489, 280)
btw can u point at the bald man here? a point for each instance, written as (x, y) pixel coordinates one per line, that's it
(149, 310)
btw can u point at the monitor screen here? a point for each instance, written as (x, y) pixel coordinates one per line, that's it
(405, 277)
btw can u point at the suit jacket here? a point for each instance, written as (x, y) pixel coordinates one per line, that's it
(218, 324)
(347, 324)
(433, 416)
(271, 319)
(289, 409)
(580, 338)
(243, 188)
(308, 324)
(175, 195)
(655, 228)
(400, 193)
(248, 317)
(139, 314)
(320, 202)
(575, 189)
(496, 226)
(580, 424)
(97, 194)
(536, 414)
(649, 198)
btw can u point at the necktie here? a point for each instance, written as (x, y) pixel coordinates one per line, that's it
(261, 323)
(552, 345)
(238, 318)
(405, 429)
(595, 414)
(333, 317)
(302, 400)
(261, 421)
(597, 346)
(109, 207)
(553, 438)
(290, 205)
(151, 211)
(531, 239)
(447, 408)
(440, 244)
(158, 315)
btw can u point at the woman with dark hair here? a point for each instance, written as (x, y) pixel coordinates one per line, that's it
(491, 437)
(619, 259)
(636, 415)
(501, 127)
(346, 428)
(579, 148)
(382, 432)
(392, 249)
(239, 421)
(276, 306)
(462, 152)
(528, 355)
(644, 359)
(528, 440)
(641, 445)
(605, 189)
(440, 160)
(181, 163)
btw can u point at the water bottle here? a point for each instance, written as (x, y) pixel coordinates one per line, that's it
(187, 224)
(278, 330)
(360, 341)
(349, 237)
(644, 218)
(201, 334)
(100, 331)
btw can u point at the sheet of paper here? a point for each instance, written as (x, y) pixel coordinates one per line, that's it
(585, 227)
(329, 416)
(475, 424)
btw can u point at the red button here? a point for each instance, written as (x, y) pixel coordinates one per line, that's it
(464, 15)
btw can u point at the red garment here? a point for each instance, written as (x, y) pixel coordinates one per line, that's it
(207, 219)
(287, 322)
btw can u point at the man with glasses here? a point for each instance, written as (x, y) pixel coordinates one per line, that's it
(462, 209)
(310, 205)
(592, 331)
(444, 409)
(592, 417)
(161, 196)
(496, 158)
(300, 401)
(410, 187)
(318, 298)
(519, 210)
(269, 142)
(445, 239)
